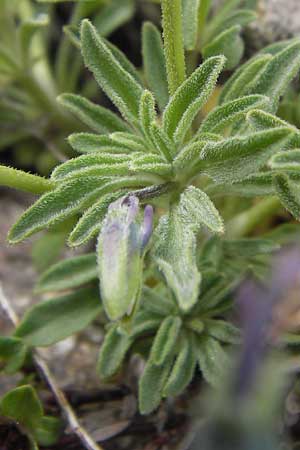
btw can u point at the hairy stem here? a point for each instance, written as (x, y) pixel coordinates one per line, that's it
(173, 43)
(244, 223)
(23, 181)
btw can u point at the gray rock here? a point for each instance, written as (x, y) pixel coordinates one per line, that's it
(277, 20)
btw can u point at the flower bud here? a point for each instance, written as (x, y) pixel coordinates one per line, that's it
(121, 248)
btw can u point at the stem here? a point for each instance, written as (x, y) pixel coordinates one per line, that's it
(244, 223)
(40, 365)
(24, 181)
(173, 43)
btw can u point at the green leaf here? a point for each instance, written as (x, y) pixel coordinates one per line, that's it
(222, 22)
(261, 120)
(124, 62)
(286, 161)
(239, 157)
(113, 351)
(113, 15)
(118, 84)
(94, 143)
(48, 431)
(173, 43)
(145, 322)
(151, 163)
(53, 320)
(99, 119)
(27, 30)
(183, 370)
(151, 385)
(277, 74)
(100, 164)
(23, 406)
(162, 142)
(190, 13)
(248, 248)
(165, 340)
(229, 113)
(227, 43)
(236, 85)
(223, 331)
(196, 209)
(176, 257)
(190, 97)
(154, 63)
(90, 222)
(156, 303)
(12, 354)
(212, 360)
(289, 194)
(55, 207)
(69, 274)
(147, 113)
(255, 185)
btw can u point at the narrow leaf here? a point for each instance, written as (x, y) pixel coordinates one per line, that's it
(118, 84)
(227, 114)
(289, 194)
(69, 274)
(212, 360)
(154, 63)
(173, 43)
(183, 370)
(99, 119)
(53, 320)
(113, 351)
(197, 209)
(227, 43)
(90, 222)
(151, 386)
(190, 97)
(238, 82)
(94, 143)
(165, 340)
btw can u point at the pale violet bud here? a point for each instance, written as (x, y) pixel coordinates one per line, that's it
(121, 248)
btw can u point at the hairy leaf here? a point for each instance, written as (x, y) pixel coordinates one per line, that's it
(90, 222)
(228, 113)
(236, 85)
(118, 84)
(277, 74)
(212, 360)
(94, 143)
(196, 209)
(99, 119)
(151, 385)
(239, 157)
(96, 164)
(175, 253)
(53, 320)
(154, 63)
(183, 370)
(69, 273)
(228, 43)
(289, 194)
(190, 13)
(113, 351)
(190, 97)
(165, 340)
